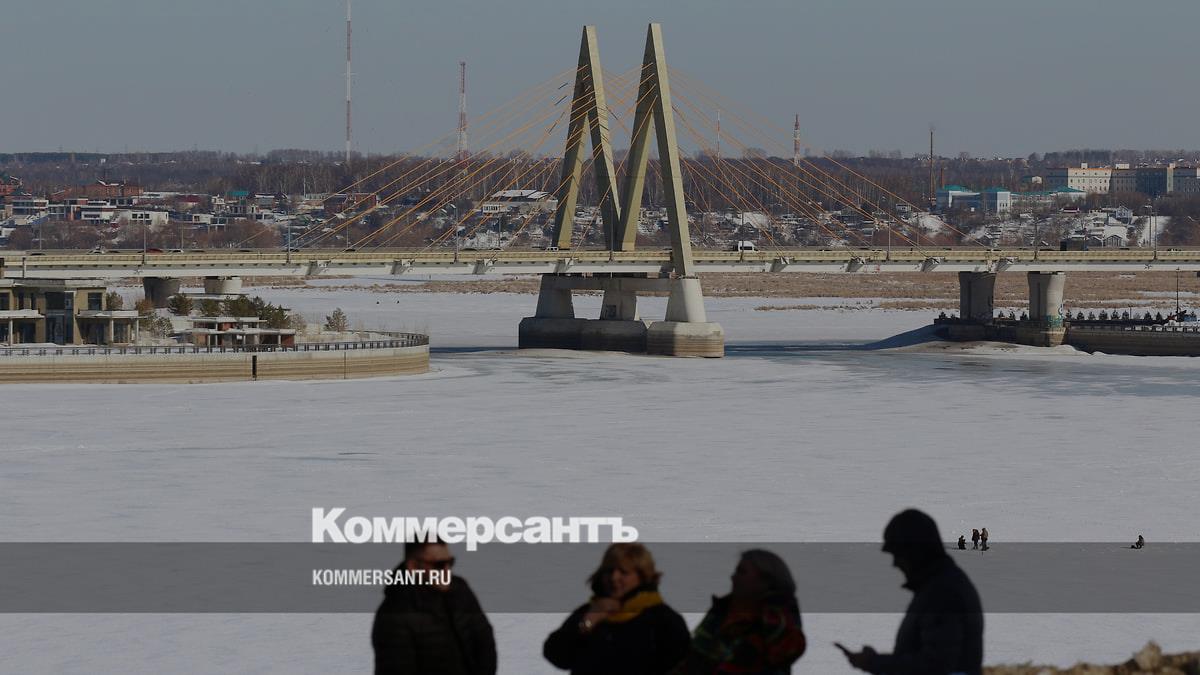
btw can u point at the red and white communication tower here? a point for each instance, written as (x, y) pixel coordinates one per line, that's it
(462, 110)
(347, 81)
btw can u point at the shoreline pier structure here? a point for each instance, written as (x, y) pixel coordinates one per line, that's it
(685, 330)
(1045, 326)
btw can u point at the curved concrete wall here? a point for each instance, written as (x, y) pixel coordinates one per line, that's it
(1138, 343)
(217, 367)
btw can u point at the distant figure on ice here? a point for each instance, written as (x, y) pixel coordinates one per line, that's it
(626, 627)
(983, 537)
(756, 628)
(1141, 542)
(432, 629)
(974, 539)
(942, 630)
(962, 543)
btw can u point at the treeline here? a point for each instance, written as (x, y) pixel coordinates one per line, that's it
(60, 234)
(273, 315)
(424, 184)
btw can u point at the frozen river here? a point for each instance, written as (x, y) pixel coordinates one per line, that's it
(795, 436)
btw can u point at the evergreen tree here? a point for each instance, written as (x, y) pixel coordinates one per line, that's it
(210, 308)
(275, 316)
(240, 306)
(180, 304)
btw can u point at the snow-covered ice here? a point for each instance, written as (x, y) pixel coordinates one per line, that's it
(797, 435)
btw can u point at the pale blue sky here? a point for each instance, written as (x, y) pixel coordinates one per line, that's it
(996, 78)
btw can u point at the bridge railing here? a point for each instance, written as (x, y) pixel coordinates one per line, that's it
(394, 341)
(1159, 328)
(218, 259)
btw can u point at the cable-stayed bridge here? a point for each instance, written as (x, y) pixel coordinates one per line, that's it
(413, 215)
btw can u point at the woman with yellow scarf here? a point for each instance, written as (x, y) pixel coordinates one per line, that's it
(626, 628)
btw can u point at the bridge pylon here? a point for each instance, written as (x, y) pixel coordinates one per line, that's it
(686, 330)
(589, 113)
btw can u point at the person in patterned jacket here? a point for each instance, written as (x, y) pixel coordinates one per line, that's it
(756, 629)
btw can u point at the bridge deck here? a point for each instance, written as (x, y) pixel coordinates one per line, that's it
(396, 262)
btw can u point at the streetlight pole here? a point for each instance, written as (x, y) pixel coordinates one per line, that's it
(1153, 233)
(1178, 308)
(1154, 227)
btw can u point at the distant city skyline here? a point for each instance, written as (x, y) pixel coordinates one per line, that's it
(995, 80)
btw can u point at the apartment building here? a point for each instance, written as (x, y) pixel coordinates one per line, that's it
(1094, 180)
(64, 312)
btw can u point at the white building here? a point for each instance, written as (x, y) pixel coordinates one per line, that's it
(518, 202)
(26, 207)
(96, 211)
(1095, 180)
(991, 200)
(152, 219)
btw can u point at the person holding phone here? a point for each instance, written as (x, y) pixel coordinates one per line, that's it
(942, 630)
(626, 627)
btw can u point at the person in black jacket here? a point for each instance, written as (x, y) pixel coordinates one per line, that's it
(423, 629)
(942, 631)
(625, 629)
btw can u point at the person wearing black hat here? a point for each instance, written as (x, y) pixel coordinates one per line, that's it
(942, 630)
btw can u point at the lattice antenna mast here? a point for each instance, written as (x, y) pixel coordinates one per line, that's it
(932, 187)
(348, 32)
(462, 110)
(796, 142)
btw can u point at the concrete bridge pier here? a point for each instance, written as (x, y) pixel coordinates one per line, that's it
(159, 290)
(976, 296)
(222, 285)
(1045, 327)
(553, 325)
(619, 328)
(976, 293)
(686, 330)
